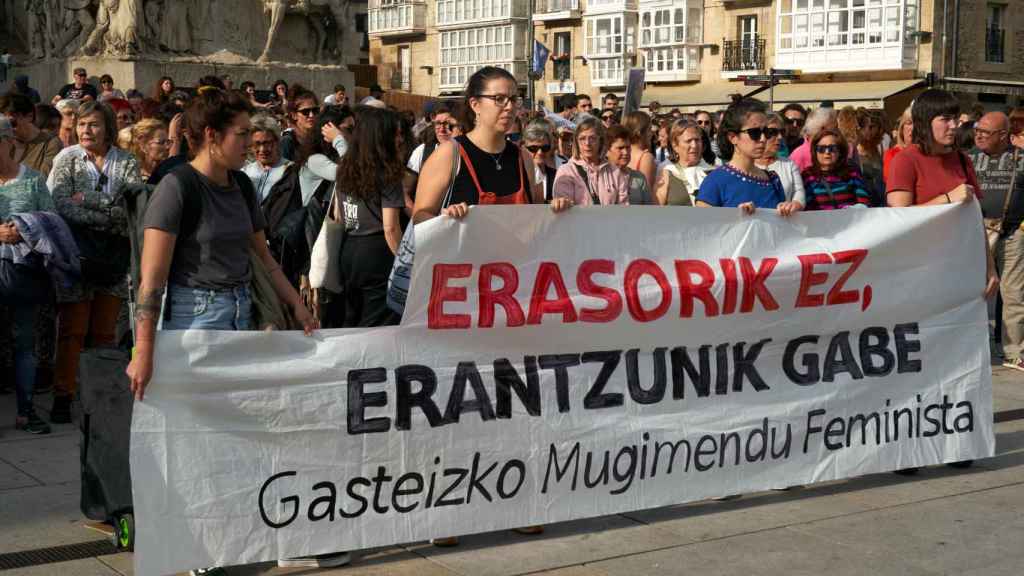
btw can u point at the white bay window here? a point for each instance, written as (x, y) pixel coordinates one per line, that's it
(609, 46)
(465, 51)
(669, 36)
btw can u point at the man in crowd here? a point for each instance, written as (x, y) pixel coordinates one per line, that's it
(80, 89)
(338, 97)
(610, 102)
(795, 116)
(570, 106)
(21, 86)
(33, 147)
(996, 164)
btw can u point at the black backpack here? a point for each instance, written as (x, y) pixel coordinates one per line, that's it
(288, 223)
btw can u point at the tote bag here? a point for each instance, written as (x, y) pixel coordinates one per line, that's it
(325, 257)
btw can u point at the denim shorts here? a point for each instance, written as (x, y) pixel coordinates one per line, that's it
(200, 309)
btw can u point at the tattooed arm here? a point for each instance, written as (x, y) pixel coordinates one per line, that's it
(157, 249)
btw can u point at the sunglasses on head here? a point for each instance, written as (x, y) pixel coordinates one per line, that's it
(756, 133)
(827, 149)
(309, 112)
(534, 148)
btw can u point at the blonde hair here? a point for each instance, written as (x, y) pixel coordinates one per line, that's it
(905, 118)
(141, 133)
(124, 139)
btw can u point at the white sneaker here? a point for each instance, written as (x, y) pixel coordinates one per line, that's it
(332, 560)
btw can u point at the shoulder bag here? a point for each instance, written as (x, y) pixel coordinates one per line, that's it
(325, 257)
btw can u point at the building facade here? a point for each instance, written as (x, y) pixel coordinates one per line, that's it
(876, 53)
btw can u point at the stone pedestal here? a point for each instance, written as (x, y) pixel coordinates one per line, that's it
(143, 73)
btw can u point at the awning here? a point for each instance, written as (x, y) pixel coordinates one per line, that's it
(983, 86)
(719, 94)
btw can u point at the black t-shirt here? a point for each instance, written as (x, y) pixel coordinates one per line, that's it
(503, 182)
(215, 256)
(366, 218)
(70, 92)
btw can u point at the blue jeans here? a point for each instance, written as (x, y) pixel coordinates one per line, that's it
(23, 328)
(200, 309)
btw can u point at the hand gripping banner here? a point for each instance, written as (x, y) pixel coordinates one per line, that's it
(561, 366)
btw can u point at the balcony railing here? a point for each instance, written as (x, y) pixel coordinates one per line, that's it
(555, 10)
(995, 44)
(604, 6)
(397, 17)
(740, 55)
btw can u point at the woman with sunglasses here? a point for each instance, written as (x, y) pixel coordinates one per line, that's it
(740, 182)
(303, 108)
(86, 182)
(107, 90)
(686, 169)
(831, 182)
(539, 141)
(771, 160)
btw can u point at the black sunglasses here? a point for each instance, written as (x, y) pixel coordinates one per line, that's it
(799, 122)
(533, 148)
(450, 125)
(827, 149)
(756, 133)
(309, 112)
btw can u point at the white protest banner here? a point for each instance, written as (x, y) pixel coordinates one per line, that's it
(563, 366)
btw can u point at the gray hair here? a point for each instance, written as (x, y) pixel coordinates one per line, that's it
(818, 119)
(540, 129)
(68, 104)
(266, 123)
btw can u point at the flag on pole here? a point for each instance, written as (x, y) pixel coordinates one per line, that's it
(540, 57)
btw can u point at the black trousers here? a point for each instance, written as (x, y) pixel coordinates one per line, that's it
(366, 263)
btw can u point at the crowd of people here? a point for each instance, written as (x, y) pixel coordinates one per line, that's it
(209, 154)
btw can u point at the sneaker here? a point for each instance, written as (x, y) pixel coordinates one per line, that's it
(445, 542)
(60, 413)
(1015, 363)
(332, 560)
(32, 424)
(215, 571)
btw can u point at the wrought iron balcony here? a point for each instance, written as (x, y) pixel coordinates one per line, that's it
(741, 55)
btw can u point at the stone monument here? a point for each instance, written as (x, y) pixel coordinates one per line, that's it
(139, 41)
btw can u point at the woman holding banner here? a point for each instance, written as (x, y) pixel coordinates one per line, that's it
(741, 183)
(587, 178)
(481, 167)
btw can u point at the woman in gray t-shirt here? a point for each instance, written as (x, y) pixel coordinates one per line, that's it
(201, 225)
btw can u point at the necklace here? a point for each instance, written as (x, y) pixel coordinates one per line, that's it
(497, 159)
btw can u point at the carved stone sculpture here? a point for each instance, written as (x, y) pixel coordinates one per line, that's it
(116, 28)
(70, 24)
(313, 10)
(175, 32)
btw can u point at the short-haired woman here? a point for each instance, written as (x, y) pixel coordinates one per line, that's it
(617, 153)
(86, 182)
(686, 169)
(267, 166)
(539, 141)
(107, 90)
(587, 179)
(787, 170)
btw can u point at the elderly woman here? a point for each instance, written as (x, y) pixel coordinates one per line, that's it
(587, 179)
(149, 144)
(539, 141)
(267, 166)
(686, 169)
(67, 109)
(22, 288)
(786, 169)
(86, 182)
(618, 153)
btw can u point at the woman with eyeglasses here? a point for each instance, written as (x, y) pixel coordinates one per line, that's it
(66, 132)
(740, 182)
(588, 179)
(86, 182)
(706, 121)
(787, 170)
(149, 145)
(539, 141)
(303, 108)
(686, 169)
(831, 182)
(107, 90)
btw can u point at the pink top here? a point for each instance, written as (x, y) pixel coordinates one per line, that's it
(609, 183)
(802, 155)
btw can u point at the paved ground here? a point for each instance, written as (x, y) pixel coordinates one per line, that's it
(944, 521)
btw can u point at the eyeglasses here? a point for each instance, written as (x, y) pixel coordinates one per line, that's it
(449, 125)
(756, 133)
(827, 149)
(608, 117)
(987, 133)
(533, 148)
(501, 100)
(310, 112)
(798, 122)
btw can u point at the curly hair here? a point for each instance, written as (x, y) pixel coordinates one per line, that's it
(373, 161)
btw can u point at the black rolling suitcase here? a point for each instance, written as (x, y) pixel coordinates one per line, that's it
(106, 436)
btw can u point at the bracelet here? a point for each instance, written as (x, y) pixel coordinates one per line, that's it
(948, 201)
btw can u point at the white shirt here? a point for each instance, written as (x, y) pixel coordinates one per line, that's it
(692, 175)
(319, 168)
(263, 179)
(792, 181)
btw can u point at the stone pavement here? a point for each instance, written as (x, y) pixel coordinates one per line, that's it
(943, 521)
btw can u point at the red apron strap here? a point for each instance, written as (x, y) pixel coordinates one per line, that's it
(472, 171)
